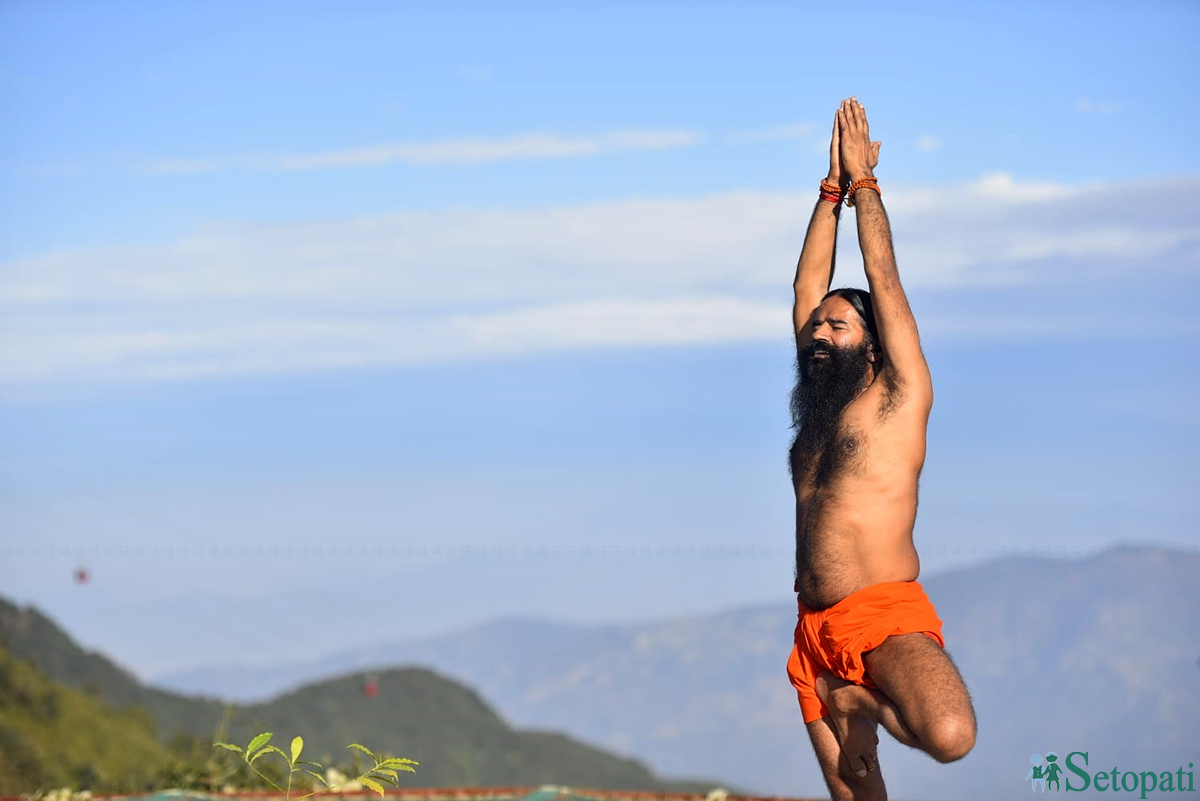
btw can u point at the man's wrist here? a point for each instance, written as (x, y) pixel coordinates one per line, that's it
(832, 192)
(860, 174)
(870, 183)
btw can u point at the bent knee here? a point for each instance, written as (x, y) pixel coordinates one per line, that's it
(951, 737)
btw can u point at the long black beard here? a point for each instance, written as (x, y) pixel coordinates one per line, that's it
(824, 387)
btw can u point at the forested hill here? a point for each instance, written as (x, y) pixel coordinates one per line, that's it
(55, 736)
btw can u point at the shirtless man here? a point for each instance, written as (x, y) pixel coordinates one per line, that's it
(868, 644)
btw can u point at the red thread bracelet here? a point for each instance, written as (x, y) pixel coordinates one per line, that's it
(831, 192)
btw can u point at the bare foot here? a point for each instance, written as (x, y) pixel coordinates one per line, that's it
(857, 734)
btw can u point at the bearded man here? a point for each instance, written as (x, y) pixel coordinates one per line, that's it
(868, 647)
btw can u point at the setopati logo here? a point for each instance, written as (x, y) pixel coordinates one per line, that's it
(1074, 774)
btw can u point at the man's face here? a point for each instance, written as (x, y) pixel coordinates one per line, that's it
(837, 334)
(831, 368)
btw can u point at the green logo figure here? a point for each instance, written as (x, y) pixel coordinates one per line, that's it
(1052, 771)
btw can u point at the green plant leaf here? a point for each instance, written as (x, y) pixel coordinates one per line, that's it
(386, 773)
(228, 747)
(318, 778)
(305, 762)
(297, 746)
(394, 762)
(374, 785)
(268, 749)
(362, 748)
(259, 741)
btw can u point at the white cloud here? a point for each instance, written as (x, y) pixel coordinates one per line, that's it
(927, 143)
(462, 284)
(1002, 186)
(461, 151)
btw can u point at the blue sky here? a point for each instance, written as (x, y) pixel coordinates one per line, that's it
(454, 281)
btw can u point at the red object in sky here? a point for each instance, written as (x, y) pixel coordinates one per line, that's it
(81, 576)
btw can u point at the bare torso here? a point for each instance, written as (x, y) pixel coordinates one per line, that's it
(856, 498)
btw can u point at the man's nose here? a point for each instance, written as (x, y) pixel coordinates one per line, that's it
(821, 334)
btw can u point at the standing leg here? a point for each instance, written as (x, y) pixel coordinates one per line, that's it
(843, 783)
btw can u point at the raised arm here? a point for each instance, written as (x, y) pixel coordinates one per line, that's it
(814, 271)
(904, 364)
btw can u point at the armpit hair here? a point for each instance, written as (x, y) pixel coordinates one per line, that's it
(893, 393)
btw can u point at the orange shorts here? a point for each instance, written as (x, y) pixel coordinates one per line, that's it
(836, 638)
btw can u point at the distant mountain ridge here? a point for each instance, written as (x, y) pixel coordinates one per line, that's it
(447, 727)
(1096, 653)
